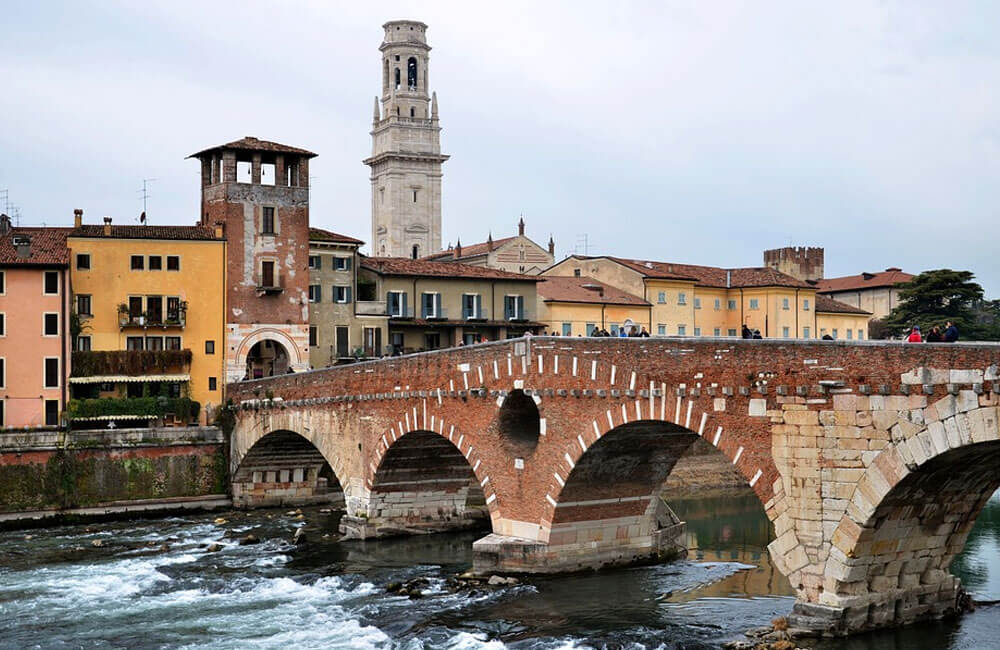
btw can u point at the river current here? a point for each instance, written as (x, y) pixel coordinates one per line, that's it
(154, 584)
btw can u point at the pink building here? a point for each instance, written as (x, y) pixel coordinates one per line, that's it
(34, 325)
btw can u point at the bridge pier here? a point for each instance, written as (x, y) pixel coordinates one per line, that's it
(647, 538)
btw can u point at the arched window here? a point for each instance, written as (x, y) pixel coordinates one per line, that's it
(411, 73)
(416, 251)
(385, 76)
(397, 78)
(413, 112)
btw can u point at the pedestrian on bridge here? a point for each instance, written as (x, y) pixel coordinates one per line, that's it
(914, 336)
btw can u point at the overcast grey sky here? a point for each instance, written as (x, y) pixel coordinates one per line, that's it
(699, 132)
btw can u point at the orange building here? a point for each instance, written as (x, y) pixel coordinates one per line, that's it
(34, 325)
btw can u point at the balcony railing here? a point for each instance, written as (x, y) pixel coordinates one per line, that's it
(401, 313)
(143, 320)
(482, 314)
(369, 308)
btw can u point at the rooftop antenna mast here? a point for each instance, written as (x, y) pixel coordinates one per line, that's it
(582, 242)
(145, 196)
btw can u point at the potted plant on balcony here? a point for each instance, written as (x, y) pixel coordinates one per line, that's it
(123, 315)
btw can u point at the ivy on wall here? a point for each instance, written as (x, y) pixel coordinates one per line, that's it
(128, 362)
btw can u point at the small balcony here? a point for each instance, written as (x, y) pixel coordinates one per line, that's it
(401, 313)
(270, 283)
(435, 314)
(174, 316)
(111, 363)
(369, 308)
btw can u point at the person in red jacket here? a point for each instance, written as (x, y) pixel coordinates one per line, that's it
(915, 335)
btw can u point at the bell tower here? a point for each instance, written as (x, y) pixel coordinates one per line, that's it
(406, 148)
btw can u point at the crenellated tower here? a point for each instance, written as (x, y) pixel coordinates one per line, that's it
(406, 148)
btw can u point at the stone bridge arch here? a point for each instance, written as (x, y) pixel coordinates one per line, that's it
(908, 516)
(422, 482)
(317, 430)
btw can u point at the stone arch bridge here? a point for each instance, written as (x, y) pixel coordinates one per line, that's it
(872, 459)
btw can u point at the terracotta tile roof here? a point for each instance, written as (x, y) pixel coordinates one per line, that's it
(584, 289)
(888, 278)
(472, 250)
(427, 268)
(318, 234)
(146, 232)
(47, 247)
(250, 143)
(713, 276)
(828, 305)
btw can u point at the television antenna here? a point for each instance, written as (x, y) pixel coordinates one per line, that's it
(145, 196)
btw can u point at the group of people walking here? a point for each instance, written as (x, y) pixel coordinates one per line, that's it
(950, 334)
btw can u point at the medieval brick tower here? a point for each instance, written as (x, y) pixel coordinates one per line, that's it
(258, 192)
(406, 148)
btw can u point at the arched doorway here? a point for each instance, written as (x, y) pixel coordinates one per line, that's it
(267, 358)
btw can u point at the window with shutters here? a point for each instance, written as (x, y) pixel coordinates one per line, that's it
(513, 307)
(472, 306)
(315, 262)
(313, 338)
(267, 224)
(430, 305)
(315, 292)
(83, 343)
(341, 264)
(83, 305)
(341, 294)
(396, 304)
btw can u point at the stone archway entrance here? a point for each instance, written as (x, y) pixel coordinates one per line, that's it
(267, 358)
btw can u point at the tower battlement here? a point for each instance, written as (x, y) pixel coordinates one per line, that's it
(802, 262)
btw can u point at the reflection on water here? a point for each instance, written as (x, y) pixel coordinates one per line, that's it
(57, 589)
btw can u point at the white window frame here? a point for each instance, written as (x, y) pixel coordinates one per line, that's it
(3, 283)
(755, 304)
(661, 298)
(785, 303)
(337, 288)
(476, 312)
(786, 332)
(399, 303)
(3, 324)
(338, 260)
(730, 331)
(58, 324)
(317, 265)
(850, 334)
(166, 263)
(718, 304)
(681, 298)
(717, 332)
(697, 331)
(805, 304)
(661, 329)
(682, 330)
(731, 304)
(565, 327)
(317, 295)
(3, 372)
(435, 303)
(58, 373)
(833, 333)
(806, 332)
(82, 337)
(861, 335)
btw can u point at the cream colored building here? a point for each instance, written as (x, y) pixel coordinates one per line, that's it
(690, 300)
(406, 148)
(876, 293)
(430, 305)
(577, 305)
(515, 254)
(840, 321)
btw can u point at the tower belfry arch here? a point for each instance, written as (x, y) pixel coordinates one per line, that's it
(406, 147)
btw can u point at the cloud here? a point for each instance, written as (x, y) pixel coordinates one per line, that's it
(698, 133)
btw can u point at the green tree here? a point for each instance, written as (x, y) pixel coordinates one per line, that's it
(934, 297)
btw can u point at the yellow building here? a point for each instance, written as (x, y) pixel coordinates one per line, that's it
(840, 321)
(151, 304)
(577, 305)
(691, 300)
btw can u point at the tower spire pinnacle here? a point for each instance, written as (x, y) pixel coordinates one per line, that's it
(434, 105)
(376, 116)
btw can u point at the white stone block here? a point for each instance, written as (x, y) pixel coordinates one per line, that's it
(758, 407)
(966, 377)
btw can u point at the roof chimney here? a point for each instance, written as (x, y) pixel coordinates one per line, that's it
(458, 248)
(77, 218)
(4, 224)
(520, 226)
(489, 242)
(552, 246)
(22, 245)
(107, 226)
(729, 279)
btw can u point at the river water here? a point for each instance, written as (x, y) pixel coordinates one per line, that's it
(152, 584)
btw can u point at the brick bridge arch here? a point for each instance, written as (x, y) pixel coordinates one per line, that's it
(799, 420)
